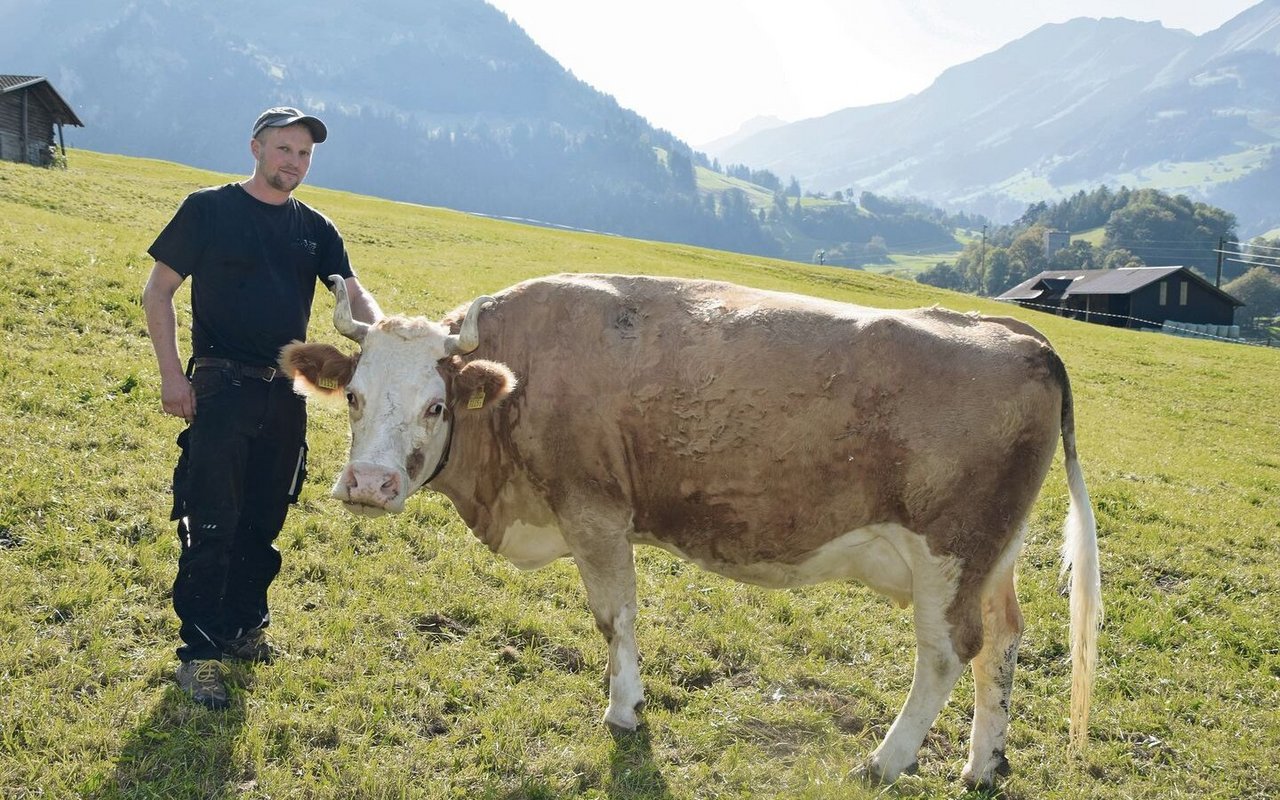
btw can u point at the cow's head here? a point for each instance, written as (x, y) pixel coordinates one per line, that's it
(405, 390)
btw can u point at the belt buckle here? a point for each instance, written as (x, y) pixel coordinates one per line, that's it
(271, 374)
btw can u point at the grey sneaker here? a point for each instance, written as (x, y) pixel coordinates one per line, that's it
(253, 646)
(204, 681)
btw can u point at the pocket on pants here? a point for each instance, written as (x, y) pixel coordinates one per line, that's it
(299, 475)
(181, 485)
(208, 383)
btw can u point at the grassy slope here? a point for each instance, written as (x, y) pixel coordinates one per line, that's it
(1174, 177)
(752, 693)
(717, 183)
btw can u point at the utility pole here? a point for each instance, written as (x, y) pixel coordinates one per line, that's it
(982, 256)
(1222, 243)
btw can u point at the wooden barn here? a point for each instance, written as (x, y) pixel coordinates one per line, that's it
(1131, 297)
(30, 111)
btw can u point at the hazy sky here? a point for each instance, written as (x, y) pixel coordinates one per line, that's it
(700, 68)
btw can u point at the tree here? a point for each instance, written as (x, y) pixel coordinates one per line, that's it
(943, 276)
(1169, 230)
(1120, 257)
(996, 278)
(1259, 290)
(1264, 250)
(876, 250)
(1077, 255)
(781, 208)
(682, 173)
(1026, 255)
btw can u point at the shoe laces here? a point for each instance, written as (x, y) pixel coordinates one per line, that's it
(209, 671)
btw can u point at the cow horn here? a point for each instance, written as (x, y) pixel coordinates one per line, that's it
(468, 337)
(347, 325)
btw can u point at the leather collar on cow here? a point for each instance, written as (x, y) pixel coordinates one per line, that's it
(447, 415)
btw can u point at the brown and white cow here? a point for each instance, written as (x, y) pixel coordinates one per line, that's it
(777, 439)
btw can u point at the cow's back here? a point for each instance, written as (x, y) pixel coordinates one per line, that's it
(743, 426)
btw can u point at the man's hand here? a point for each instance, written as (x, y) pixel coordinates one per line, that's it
(178, 398)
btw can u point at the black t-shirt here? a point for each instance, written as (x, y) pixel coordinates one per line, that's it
(253, 269)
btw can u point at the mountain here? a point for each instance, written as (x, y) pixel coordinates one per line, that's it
(450, 103)
(1068, 107)
(745, 130)
(440, 102)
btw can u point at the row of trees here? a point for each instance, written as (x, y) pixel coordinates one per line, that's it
(1142, 227)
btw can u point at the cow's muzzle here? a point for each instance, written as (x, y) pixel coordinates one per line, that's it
(371, 489)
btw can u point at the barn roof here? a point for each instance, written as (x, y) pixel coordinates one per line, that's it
(1057, 284)
(44, 91)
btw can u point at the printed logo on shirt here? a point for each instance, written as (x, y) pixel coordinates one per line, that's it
(306, 244)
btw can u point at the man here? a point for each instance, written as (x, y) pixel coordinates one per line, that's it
(254, 254)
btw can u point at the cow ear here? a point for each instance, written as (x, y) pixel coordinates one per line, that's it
(320, 370)
(483, 384)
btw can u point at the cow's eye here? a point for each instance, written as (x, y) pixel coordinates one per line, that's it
(351, 399)
(435, 409)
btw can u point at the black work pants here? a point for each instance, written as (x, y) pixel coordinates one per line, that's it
(242, 463)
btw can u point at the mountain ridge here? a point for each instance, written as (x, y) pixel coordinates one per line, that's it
(1079, 103)
(450, 103)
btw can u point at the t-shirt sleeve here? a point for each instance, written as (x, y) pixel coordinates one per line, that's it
(334, 260)
(183, 240)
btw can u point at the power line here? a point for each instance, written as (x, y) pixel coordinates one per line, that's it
(1254, 263)
(1145, 249)
(1255, 246)
(1201, 242)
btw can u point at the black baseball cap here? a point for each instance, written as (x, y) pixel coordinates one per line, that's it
(280, 116)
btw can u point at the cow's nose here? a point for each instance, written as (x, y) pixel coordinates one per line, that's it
(371, 484)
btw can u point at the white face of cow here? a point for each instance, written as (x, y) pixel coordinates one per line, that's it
(400, 423)
(403, 392)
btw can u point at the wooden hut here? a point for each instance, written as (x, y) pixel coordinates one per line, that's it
(30, 111)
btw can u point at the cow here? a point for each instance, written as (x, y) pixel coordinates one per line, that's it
(777, 439)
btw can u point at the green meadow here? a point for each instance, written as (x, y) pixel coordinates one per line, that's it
(419, 665)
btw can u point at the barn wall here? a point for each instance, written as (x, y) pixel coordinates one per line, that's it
(39, 133)
(1202, 307)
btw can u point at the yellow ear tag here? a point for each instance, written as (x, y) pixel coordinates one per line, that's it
(477, 400)
(327, 383)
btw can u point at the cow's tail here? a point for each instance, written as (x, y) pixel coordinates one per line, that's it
(1083, 574)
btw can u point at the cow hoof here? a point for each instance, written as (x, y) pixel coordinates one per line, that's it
(875, 775)
(621, 722)
(621, 734)
(986, 779)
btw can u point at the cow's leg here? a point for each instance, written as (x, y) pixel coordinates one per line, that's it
(993, 681)
(608, 572)
(939, 661)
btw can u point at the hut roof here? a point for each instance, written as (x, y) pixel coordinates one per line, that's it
(44, 91)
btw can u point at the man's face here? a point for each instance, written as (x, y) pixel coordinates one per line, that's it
(283, 156)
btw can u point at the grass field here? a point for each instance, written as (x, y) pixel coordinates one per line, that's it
(420, 665)
(1173, 177)
(719, 183)
(1093, 236)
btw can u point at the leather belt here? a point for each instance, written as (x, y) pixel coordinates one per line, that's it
(239, 369)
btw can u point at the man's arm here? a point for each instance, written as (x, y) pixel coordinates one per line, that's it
(363, 307)
(176, 395)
